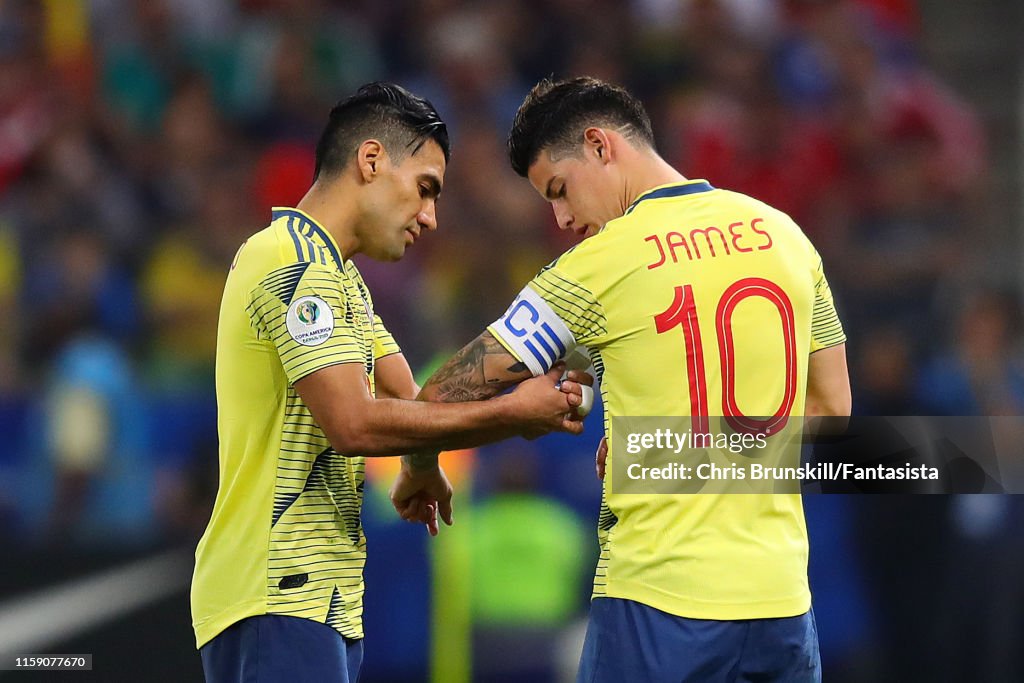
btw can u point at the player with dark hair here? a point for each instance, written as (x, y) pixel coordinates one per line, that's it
(307, 382)
(401, 121)
(673, 282)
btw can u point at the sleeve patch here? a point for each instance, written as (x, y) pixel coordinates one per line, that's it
(310, 321)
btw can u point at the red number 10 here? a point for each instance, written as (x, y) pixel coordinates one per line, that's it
(683, 313)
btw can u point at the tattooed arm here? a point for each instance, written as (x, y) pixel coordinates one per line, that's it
(482, 369)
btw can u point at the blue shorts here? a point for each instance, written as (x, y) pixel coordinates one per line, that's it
(273, 647)
(628, 642)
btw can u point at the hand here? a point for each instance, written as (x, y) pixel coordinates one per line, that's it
(583, 378)
(542, 405)
(580, 377)
(600, 457)
(419, 495)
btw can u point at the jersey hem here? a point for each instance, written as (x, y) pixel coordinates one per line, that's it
(210, 627)
(694, 609)
(827, 346)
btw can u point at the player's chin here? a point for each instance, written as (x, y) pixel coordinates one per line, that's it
(395, 253)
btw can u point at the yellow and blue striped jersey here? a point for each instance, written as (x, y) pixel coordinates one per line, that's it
(697, 302)
(285, 535)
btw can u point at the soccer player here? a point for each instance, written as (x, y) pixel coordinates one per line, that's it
(307, 381)
(692, 301)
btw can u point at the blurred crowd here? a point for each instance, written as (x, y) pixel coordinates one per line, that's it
(141, 141)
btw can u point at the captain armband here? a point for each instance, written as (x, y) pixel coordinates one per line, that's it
(534, 332)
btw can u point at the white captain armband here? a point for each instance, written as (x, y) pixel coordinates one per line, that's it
(534, 332)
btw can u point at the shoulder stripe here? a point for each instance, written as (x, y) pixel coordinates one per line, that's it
(310, 248)
(314, 248)
(282, 283)
(316, 230)
(295, 238)
(303, 237)
(314, 233)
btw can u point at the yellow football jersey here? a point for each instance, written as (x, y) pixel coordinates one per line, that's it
(285, 536)
(697, 302)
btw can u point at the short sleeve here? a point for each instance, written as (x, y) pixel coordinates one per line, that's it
(551, 317)
(383, 343)
(574, 303)
(301, 309)
(826, 328)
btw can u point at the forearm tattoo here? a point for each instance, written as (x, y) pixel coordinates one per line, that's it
(464, 376)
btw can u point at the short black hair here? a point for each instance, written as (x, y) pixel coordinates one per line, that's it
(385, 111)
(555, 113)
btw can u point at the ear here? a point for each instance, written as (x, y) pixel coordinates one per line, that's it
(370, 160)
(597, 144)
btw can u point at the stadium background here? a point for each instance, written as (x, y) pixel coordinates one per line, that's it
(141, 141)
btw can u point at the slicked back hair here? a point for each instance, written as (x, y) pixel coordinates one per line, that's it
(382, 111)
(555, 113)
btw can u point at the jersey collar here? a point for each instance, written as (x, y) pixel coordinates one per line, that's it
(673, 190)
(307, 226)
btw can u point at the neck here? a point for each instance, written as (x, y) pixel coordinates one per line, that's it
(324, 203)
(648, 171)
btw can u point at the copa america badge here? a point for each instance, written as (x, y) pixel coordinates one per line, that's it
(310, 321)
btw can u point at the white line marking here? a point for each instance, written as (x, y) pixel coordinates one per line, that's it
(33, 622)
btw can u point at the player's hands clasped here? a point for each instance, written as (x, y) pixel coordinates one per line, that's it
(543, 405)
(420, 495)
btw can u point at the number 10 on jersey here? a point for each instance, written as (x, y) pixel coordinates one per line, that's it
(683, 313)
